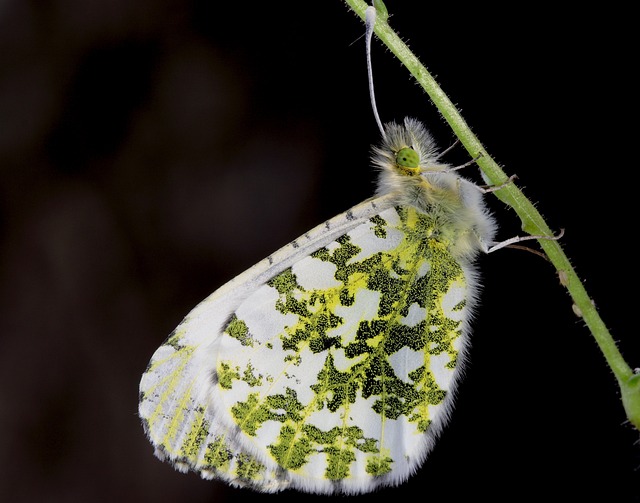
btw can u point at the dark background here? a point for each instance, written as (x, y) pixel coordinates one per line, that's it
(150, 150)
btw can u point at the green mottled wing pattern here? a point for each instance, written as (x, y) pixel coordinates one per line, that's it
(177, 406)
(338, 370)
(181, 421)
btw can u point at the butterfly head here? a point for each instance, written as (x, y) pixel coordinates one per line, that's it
(406, 155)
(408, 160)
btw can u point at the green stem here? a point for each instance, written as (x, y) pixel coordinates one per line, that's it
(532, 221)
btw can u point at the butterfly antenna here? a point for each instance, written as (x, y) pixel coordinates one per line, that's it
(370, 21)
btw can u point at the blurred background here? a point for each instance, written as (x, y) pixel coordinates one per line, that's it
(150, 150)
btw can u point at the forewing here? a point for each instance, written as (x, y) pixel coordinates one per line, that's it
(177, 408)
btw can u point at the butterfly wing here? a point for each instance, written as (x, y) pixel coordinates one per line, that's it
(331, 372)
(176, 407)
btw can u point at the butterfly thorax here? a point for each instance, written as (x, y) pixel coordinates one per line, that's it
(410, 172)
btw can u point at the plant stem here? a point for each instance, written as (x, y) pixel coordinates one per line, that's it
(532, 221)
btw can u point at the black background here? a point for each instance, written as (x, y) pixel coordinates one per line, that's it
(151, 150)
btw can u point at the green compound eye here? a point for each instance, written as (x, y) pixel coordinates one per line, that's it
(407, 158)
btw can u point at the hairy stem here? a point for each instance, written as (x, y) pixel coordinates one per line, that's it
(532, 221)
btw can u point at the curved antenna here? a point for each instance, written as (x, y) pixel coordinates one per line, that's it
(370, 21)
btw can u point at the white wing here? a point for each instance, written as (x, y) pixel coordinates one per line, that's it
(328, 366)
(176, 389)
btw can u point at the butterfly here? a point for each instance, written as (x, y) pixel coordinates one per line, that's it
(331, 366)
